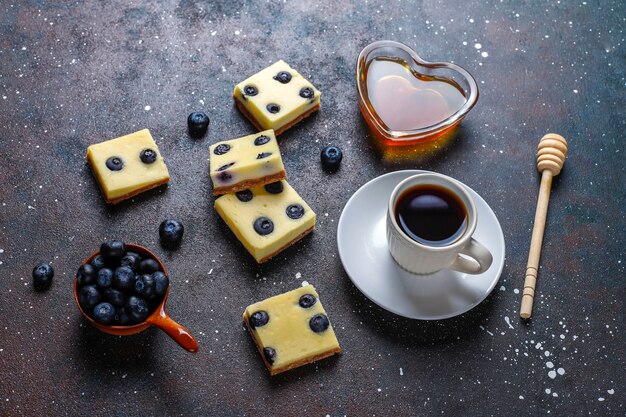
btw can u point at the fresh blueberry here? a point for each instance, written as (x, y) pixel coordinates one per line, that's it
(198, 123)
(42, 276)
(307, 301)
(270, 355)
(137, 309)
(319, 323)
(121, 318)
(258, 319)
(148, 156)
(115, 163)
(263, 226)
(307, 92)
(261, 140)
(161, 282)
(263, 155)
(123, 278)
(148, 266)
(274, 188)
(104, 313)
(221, 149)
(273, 108)
(295, 211)
(86, 275)
(244, 196)
(113, 251)
(98, 262)
(105, 278)
(131, 260)
(225, 176)
(115, 297)
(145, 286)
(283, 77)
(225, 167)
(88, 297)
(331, 158)
(171, 233)
(250, 90)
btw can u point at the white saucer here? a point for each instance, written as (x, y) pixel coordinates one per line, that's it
(362, 242)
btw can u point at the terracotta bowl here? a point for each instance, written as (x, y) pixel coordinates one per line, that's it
(158, 318)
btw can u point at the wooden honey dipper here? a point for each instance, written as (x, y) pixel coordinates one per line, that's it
(551, 153)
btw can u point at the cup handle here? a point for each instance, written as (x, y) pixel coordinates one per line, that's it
(174, 330)
(477, 259)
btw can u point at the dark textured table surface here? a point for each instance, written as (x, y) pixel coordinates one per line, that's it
(74, 73)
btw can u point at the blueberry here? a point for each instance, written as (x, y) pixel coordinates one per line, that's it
(250, 90)
(98, 262)
(161, 282)
(307, 301)
(115, 297)
(273, 108)
(307, 92)
(263, 226)
(104, 313)
(42, 276)
(137, 309)
(113, 251)
(131, 260)
(145, 286)
(319, 323)
(148, 156)
(274, 188)
(121, 318)
(295, 211)
(258, 319)
(225, 176)
(86, 275)
(224, 167)
(115, 163)
(198, 123)
(244, 196)
(270, 354)
(331, 158)
(171, 233)
(261, 140)
(221, 149)
(148, 266)
(105, 278)
(123, 278)
(283, 77)
(263, 155)
(88, 297)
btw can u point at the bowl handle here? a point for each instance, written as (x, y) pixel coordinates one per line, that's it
(174, 330)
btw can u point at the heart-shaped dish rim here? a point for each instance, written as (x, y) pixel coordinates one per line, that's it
(368, 111)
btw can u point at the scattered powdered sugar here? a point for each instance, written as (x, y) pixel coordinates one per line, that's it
(552, 374)
(298, 275)
(548, 390)
(401, 372)
(560, 371)
(549, 364)
(305, 283)
(611, 391)
(147, 108)
(600, 398)
(508, 321)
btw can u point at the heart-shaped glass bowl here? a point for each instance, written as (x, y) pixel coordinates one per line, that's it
(397, 51)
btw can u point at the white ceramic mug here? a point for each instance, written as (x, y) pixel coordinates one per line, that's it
(465, 254)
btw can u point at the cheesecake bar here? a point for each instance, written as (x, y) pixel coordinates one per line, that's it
(266, 219)
(242, 163)
(276, 98)
(127, 166)
(291, 329)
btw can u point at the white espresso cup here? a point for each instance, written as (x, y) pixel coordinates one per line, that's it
(464, 254)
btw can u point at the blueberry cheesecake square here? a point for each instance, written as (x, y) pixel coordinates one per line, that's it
(242, 163)
(291, 329)
(277, 98)
(127, 166)
(266, 219)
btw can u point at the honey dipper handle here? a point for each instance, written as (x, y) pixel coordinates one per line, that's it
(532, 268)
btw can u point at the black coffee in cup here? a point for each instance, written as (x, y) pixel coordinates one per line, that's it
(431, 215)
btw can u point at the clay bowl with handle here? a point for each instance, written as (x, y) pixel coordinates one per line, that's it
(158, 317)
